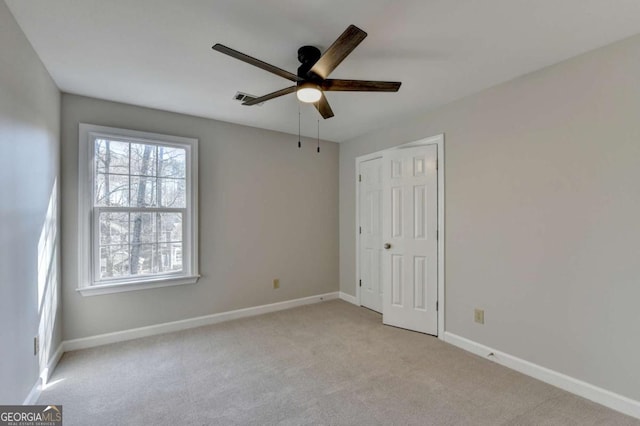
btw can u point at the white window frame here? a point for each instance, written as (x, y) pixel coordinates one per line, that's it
(88, 260)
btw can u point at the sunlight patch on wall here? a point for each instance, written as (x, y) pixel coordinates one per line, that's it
(48, 281)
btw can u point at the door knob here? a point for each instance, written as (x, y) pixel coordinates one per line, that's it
(387, 246)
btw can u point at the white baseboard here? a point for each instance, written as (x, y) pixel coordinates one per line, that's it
(586, 390)
(45, 374)
(34, 394)
(349, 298)
(168, 327)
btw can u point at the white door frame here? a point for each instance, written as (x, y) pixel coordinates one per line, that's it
(437, 140)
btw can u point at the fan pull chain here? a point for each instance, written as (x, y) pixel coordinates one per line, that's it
(318, 135)
(299, 138)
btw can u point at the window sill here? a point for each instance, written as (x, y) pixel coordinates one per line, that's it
(96, 290)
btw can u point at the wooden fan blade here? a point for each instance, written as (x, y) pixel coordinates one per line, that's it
(276, 94)
(255, 62)
(360, 86)
(323, 107)
(339, 50)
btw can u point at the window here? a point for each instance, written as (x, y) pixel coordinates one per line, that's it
(138, 206)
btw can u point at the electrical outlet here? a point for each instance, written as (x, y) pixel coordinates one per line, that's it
(478, 316)
(276, 283)
(36, 345)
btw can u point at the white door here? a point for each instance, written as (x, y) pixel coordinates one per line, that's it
(370, 211)
(410, 218)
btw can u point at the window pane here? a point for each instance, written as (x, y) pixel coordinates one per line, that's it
(170, 227)
(142, 258)
(114, 261)
(171, 162)
(143, 159)
(172, 193)
(142, 228)
(112, 156)
(143, 191)
(112, 190)
(113, 228)
(170, 257)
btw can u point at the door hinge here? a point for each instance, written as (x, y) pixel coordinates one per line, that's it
(359, 178)
(360, 283)
(437, 164)
(360, 229)
(437, 234)
(437, 305)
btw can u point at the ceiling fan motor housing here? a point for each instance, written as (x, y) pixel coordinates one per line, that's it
(308, 56)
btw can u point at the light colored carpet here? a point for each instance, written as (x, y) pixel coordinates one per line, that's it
(330, 363)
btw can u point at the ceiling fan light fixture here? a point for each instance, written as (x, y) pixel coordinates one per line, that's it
(308, 93)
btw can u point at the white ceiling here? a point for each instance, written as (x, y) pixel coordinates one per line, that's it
(157, 53)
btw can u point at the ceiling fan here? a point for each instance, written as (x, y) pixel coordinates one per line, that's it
(311, 80)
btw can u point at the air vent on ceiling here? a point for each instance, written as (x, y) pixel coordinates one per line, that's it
(243, 97)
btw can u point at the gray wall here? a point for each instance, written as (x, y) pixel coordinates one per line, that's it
(542, 214)
(29, 168)
(267, 210)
